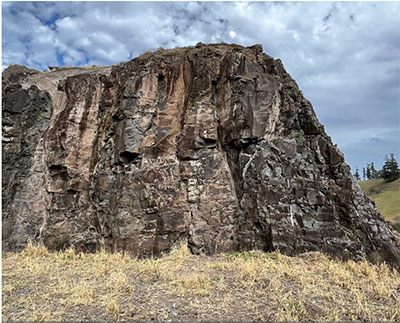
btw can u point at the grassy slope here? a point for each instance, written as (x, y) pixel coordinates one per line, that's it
(38, 285)
(386, 196)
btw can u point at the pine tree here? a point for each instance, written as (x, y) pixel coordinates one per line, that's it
(390, 171)
(364, 174)
(357, 175)
(385, 168)
(394, 168)
(368, 171)
(373, 171)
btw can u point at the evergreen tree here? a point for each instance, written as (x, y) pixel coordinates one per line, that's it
(369, 171)
(374, 173)
(390, 171)
(394, 168)
(357, 175)
(364, 174)
(385, 168)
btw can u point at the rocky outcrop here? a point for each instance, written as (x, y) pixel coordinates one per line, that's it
(213, 145)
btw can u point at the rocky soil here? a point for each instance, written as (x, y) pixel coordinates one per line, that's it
(213, 145)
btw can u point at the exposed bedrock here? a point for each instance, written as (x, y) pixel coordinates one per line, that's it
(212, 145)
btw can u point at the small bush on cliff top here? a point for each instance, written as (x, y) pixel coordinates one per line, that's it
(40, 285)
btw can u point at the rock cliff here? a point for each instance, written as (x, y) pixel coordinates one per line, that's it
(213, 145)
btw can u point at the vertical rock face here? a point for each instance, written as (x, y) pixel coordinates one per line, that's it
(214, 145)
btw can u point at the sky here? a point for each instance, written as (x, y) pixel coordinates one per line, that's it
(345, 56)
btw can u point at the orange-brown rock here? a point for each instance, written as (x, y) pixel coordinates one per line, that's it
(212, 145)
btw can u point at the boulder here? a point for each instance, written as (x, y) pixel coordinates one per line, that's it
(213, 146)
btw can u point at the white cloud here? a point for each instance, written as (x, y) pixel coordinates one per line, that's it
(344, 55)
(27, 41)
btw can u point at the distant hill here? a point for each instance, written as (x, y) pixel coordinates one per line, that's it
(387, 198)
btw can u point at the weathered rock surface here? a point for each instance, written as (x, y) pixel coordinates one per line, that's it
(214, 145)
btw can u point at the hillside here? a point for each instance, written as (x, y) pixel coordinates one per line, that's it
(387, 198)
(48, 286)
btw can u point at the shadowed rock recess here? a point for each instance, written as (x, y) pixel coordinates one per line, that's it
(213, 145)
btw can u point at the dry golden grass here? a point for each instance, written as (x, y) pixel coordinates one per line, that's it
(43, 286)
